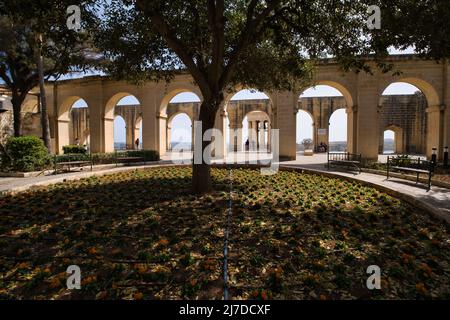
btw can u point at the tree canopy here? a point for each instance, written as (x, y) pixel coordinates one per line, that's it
(266, 45)
(21, 24)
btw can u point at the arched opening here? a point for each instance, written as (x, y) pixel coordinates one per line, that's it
(73, 124)
(305, 131)
(403, 105)
(248, 122)
(256, 131)
(138, 134)
(180, 132)
(79, 123)
(116, 135)
(181, 110)
(322, 119)
(389, 142)
(120, 142)
(337, 136)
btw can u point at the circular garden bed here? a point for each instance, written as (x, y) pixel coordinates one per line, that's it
(142, 235)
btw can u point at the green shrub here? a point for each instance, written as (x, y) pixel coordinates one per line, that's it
(27, 153)
(148, 155)
(72, 149)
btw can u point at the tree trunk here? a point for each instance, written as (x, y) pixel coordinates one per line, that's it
(42, 97)
(201, 173)
(16, 102)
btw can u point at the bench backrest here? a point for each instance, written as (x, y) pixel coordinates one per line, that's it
(410, 162)
(69, 157)
(343, 156)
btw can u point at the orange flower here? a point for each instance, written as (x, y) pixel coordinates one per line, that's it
(55, 283)
(420, 287)
(193, 282)
(138, 296)
(92, 250)
(141, 268)
(426, 269)
(88, 280)
(163, 242)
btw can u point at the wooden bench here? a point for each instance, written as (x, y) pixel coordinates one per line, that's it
(409, 165)
(72, 164)
(344, 159)
(129, 160)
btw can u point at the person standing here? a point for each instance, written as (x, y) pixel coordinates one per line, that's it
(137, 143)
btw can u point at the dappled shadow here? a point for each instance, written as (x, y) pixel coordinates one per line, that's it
(142, 230)
(143, 234)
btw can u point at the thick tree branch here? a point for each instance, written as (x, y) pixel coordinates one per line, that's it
(177, 46)
(249, 33)
(217, 26)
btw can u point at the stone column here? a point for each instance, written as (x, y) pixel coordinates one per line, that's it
(352, 129)
(434, 125)
(129, 134)
(263, 136)
(63, 134)
(285, 102)
(169, 136)
(367, 127)
(236, 137)
(97, 126)
(220, 146)
(152, 138)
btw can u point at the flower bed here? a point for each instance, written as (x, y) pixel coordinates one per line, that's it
(141, 235)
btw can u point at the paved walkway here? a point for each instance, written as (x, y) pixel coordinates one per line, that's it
(437, 200)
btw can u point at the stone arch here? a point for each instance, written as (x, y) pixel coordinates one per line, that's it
(120, 119)
(170, 127)
(297, 125)
(161, 112)
(109, 116)
(433, 110)
(322, 122)
(427, 89)
(349, 99)
(64, 126)
(399, 146)
(172, 92)
(338, 147)
(258, 131)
